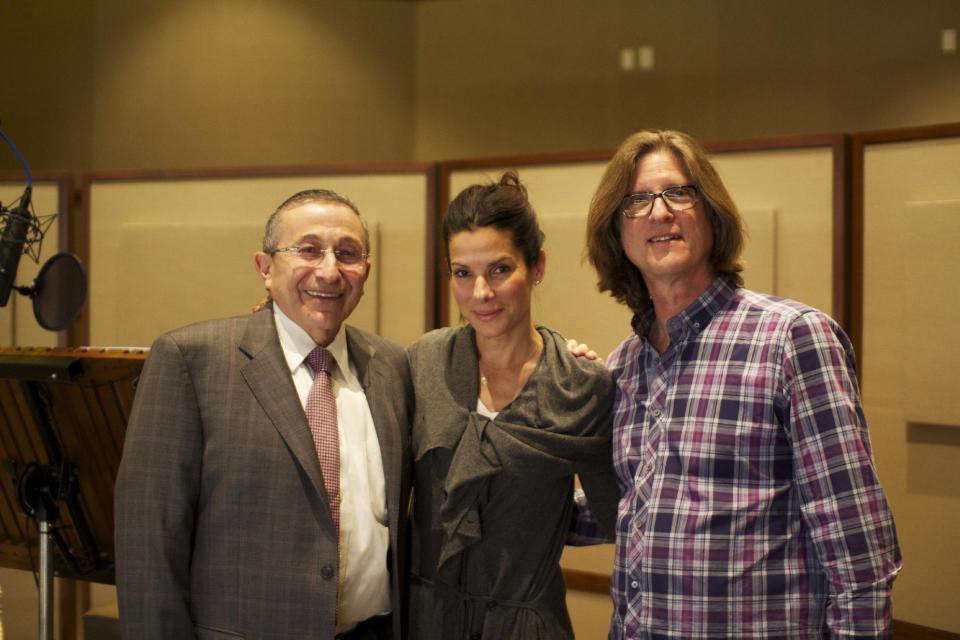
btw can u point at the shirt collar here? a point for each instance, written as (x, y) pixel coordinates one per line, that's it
(695, 317)
(297, 344)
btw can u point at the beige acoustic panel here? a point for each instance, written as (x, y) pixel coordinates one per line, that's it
(568, 300)
(760, 254)
(215, 282)
(915, 460)
(197, 214)
(18, 327)
(931, 239)
(798, 185)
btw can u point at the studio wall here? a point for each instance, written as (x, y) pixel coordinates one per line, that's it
(910, 217)
(501, 77)
(112, 85)
(109, 85)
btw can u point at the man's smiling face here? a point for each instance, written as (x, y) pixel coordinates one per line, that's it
(318, 297)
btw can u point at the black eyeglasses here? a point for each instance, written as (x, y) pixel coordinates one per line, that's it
(639, 205)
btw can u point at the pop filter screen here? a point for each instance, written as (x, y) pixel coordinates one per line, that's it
(60, 290)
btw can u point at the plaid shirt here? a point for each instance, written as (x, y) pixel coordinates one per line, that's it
(750, 506)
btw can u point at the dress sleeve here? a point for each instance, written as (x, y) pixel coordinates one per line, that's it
(843, 504)
(595, 507)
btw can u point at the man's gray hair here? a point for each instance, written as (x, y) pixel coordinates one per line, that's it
(271, 233)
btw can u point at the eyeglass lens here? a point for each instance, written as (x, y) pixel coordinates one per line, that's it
(676, 199)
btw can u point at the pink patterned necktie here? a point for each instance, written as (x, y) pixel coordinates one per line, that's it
(322, 418)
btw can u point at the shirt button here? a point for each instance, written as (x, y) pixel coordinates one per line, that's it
(635, 585)
(657, 413)
(696, 325)
(326, 572)
(649, 467)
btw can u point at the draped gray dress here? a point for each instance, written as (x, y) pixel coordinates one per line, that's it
(493, 497)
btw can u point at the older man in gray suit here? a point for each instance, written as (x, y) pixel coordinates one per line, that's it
(265, 477)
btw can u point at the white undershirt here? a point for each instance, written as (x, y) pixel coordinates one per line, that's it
(483, 410)
(364, 588)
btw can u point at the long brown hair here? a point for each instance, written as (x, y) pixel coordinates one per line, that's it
(615, 272)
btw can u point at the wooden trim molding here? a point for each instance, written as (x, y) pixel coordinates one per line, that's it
(430, 253)
(587, 581)
(842, 221)
(440, 276)
(909, 631)
(910, 134)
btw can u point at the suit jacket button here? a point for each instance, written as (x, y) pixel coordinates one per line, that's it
(476, 635)
(326, 572)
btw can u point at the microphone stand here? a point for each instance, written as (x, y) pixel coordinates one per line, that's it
(39, 490)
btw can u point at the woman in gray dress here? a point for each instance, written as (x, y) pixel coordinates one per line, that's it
(505, 417)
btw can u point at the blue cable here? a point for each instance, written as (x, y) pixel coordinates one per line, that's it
(16, 153)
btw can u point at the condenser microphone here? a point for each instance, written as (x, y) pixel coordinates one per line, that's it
(17, 224)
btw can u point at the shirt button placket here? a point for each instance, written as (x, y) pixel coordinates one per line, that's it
(657, 414)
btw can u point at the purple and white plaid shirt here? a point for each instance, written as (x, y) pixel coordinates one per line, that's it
(750, 506)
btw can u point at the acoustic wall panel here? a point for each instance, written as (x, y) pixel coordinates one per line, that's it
(214, 289)
(911, 208)
(168, 252)
(798, 185)
(760, 254)
(930, 237)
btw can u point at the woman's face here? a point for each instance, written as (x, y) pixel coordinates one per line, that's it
(491, 282)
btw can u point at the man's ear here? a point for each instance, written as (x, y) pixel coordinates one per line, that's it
(366, 274)
(264, 264)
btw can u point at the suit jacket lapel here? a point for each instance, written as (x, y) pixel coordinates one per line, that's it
(269, 379)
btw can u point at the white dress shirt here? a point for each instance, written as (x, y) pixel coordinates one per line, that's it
(364, 587)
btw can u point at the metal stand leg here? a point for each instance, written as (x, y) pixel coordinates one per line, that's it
(46, 582)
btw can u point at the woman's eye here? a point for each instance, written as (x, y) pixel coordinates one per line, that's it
(460, 273)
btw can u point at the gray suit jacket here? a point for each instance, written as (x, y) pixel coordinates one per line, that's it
(222, 523)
